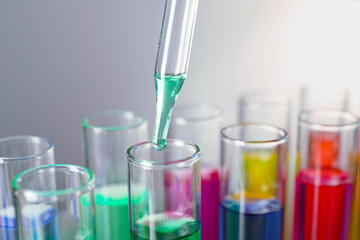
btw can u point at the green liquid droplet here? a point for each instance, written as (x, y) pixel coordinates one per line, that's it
(167, 91)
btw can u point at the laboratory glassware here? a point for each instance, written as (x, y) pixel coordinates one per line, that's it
(200, 123)
(172, 62)
(55, 202)
(327, 147)
(18, 153)
(263, 106)
(252, 161)
(106, 136)
(355, 213)
(164, 191)
(273, 107)
(313, 97)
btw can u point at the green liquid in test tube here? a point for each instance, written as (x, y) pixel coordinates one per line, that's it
(168, 226)
(164, 196)
(172, 62)
(112, 212)
(106, 135)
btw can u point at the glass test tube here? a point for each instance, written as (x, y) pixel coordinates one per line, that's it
(269, 108)
(55, 202)
(17, 154)
(313, 97)
(272, 107)
(355, 219)
(201, 124)
(327, 146)
(106, 136)
(265, 107)
(164, 191)
(355, 215)
(252, 157)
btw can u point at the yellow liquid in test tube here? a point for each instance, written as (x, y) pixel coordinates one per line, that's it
(261, 169)
(355, 218)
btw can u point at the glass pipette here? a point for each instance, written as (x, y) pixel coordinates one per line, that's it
(172, 62)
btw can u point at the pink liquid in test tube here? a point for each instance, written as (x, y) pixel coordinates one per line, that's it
(210, 198)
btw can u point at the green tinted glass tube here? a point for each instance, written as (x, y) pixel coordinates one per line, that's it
(55, 202)
(106, 136)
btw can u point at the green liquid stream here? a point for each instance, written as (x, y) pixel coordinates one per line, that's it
(167, 91)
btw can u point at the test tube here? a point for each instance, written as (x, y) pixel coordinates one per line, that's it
(55, 202)
(106, 136)
(355, 218)
(251, 197)
(313, 97)
(273, 107)
(266, 107)
(201, 124)
(327, 147)
(164, 191)
(18, 153)
(355, 215)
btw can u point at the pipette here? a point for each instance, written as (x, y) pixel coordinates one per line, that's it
(172, 62)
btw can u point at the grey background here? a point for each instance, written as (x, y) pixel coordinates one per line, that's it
(61, 60)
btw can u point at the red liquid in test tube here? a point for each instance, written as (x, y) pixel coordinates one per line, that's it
(323, 205)
(323, 192)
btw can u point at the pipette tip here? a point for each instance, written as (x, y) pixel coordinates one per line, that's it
(159, 143)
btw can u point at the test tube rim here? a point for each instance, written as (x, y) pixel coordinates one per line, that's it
(49, 149)
(90, 183)
(85, 122)
(283, 137)
(350, 124)
(172, 164)
(218, 114)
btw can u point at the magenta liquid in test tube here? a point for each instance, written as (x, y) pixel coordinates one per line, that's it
(201, 124)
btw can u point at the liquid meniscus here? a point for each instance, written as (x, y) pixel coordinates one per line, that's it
(167, 91)
(165, 226)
